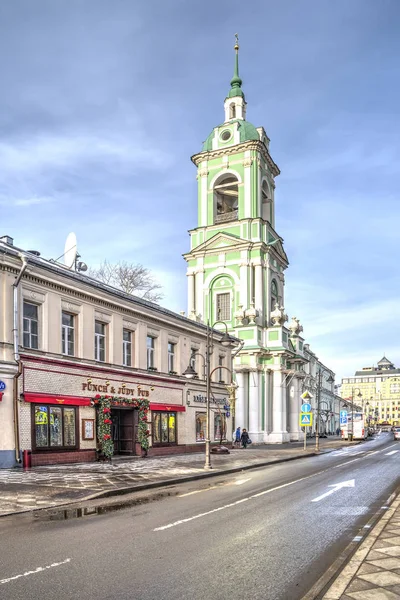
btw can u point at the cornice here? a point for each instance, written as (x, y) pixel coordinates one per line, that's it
(250, 145)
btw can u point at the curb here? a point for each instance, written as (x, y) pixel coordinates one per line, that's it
(321, 588)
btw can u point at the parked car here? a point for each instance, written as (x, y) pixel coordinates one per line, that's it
(396, 433)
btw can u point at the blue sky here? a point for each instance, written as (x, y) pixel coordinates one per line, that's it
(104, 101)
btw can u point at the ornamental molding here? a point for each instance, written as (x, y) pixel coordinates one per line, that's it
(247, 162)
(254, 145)
(203, 172)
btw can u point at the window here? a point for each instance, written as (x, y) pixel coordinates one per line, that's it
(265, 202)
(164, 428)
(226, 196)
(200, 427)
(220, 371)
(31, 326)
(193, 358)
(220, 427)
(171, 357)
(274, 294)
(150, 352)
(232, 111)
(126, 348)
(67, 334)
(55, 427)
(99, 341)
(224, 307)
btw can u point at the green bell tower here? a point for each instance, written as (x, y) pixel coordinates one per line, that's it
(236, 264)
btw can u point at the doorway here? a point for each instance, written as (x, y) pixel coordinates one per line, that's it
(124, 428)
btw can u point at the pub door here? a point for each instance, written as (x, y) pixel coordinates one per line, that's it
(124, 426)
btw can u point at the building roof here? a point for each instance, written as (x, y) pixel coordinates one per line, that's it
(376, 372)
(385, 363)
(247, 132)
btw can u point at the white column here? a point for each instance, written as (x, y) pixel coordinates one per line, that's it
(191, 302)
(241, 393)
(258, 285)
(295, 432)
(254, 407)
(278, 434)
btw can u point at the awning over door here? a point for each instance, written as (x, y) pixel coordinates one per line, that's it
(52, 399)
(167, 407)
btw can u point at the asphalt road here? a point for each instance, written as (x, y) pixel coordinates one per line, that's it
(264, 534)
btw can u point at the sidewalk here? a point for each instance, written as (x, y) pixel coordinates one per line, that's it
(373, 573)
(57, 485)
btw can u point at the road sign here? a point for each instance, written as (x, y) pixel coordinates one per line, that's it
(2, 386)
(305, 419)
(306, 395)
(343, 417)
(306, 407)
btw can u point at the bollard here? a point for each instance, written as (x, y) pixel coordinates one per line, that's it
(26, 459)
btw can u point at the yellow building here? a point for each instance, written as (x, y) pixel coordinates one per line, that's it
(380, 392)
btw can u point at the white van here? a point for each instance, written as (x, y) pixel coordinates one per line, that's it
(356, 431)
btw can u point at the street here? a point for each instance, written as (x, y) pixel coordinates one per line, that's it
(264, 534)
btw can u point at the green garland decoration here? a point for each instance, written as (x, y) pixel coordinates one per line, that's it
(104, 405)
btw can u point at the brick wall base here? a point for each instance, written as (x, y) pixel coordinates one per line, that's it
(58, 458)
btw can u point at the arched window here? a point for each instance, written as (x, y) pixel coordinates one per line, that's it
(265, 202)
(232, 111)
(226, 194)
(274, 294)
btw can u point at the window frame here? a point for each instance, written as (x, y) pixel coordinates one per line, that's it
(64, 329)
(222, 416)
(150, 352)
(126, 348)
(219, 314)
(157, 418)
(171, 357)
(29, 320)
(203, 416)
(97, 342)
(54, 448)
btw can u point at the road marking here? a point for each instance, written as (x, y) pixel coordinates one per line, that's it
(38, 570)
(336, 487)
(214, 487)
(232, 504)
(390, 453)
(241, 481)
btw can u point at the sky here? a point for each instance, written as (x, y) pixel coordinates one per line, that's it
(103, 102)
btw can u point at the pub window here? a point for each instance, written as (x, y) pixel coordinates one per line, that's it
(224, 307)
(200, 427)
(55, 427)
(164, 428)
(99, 341)
(171, 357)
(150, 352)
(220, 427)
(67, 334)
(127, 348)
(31, 326)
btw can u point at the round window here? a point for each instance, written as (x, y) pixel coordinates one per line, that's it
(226, 135)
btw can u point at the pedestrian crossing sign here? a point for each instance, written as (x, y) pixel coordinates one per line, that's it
(306, 419)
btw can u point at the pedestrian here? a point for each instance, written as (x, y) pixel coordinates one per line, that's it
(237, 436)
(337, 431)
(244, 438)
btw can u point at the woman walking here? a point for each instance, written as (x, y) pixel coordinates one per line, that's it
(244, 438)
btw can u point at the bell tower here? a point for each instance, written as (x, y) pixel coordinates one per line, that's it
(236, 262)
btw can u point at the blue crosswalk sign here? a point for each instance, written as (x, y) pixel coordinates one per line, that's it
(343, 417)
(306, 419)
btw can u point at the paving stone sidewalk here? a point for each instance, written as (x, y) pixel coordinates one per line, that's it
(56, 485)
(373, 573)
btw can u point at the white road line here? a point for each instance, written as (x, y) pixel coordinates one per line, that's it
(209, 512)
(390, 453)
(241, 481)
(214, 487)
(38, 570)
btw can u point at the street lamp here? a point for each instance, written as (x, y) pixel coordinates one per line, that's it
(190, 373)
(319, 384)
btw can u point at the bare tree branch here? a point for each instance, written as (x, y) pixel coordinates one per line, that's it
(130, 278)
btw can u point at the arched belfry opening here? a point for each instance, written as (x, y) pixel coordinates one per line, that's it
(266, 203)
(232, 111)
(226, 197)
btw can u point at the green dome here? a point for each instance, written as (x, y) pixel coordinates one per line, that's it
(247, 132)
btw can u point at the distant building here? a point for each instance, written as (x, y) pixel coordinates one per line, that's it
(380, 391)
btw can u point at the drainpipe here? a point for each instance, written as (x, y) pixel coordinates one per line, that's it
(16, 356)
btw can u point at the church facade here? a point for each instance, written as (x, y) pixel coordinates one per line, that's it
(236, 271)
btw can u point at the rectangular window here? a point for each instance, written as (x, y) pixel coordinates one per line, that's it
(31, 326)
(221, 371)
(150, 352)
(171, 357)
(127, 348)
(99, 341)
(55, 427)
(67, 334)
(220, 427)
(164, 428)
(224, 307)
(193, 358)
(200, 427)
